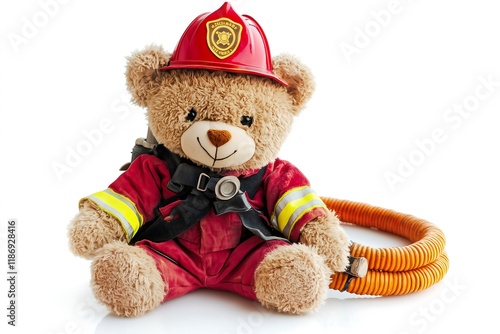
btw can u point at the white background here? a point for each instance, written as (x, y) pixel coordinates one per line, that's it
(61, 74)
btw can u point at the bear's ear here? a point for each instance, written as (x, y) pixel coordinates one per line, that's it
(143, 75)
(299, 76)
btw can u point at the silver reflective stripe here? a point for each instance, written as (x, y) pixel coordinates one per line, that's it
(299, 212)
(292, 205)
(291, 195)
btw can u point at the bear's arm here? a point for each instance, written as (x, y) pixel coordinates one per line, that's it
(117, 212)
(329, 239)
(134, 195)
(291, 200)
(300, 214)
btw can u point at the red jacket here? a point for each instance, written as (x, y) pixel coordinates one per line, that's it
(284, 196)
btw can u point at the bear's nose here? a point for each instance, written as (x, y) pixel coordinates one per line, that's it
(219, 137)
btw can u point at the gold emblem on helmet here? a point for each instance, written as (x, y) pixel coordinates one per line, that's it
(223, 37)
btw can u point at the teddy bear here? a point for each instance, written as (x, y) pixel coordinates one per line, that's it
(211, 205)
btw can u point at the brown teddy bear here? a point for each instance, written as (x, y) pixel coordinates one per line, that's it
(211, 206)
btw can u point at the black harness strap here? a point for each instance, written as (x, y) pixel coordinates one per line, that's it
(195, 186)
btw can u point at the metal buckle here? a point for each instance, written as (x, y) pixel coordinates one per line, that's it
(202, 184)
(227, 187)
(357, 268)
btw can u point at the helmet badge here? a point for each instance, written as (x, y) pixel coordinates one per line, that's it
(223, 37)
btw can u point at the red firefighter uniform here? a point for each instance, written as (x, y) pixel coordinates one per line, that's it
(217, 252)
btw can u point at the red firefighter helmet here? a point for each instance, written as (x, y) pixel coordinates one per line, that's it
(225, 41)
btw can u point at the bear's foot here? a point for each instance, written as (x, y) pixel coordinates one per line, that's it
(292, 279)
(126, 280)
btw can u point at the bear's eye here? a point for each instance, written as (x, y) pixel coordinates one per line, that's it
(191, 115)
(246, 120)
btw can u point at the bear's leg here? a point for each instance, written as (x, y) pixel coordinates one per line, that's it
(238, 268)
(125, 278)
(292, 279)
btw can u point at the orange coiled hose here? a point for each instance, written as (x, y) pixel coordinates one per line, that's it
(394, 270)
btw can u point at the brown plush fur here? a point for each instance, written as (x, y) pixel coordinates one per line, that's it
(143, 76)
(329, 240)
(91, 229)
(292, 279)
(299, 77)
(126, 280)
(221, 96)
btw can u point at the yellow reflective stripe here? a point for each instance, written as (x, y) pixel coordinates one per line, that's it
(290, 209)
(120, 207)
(292, 206)
(317, 203)
(288, 196)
